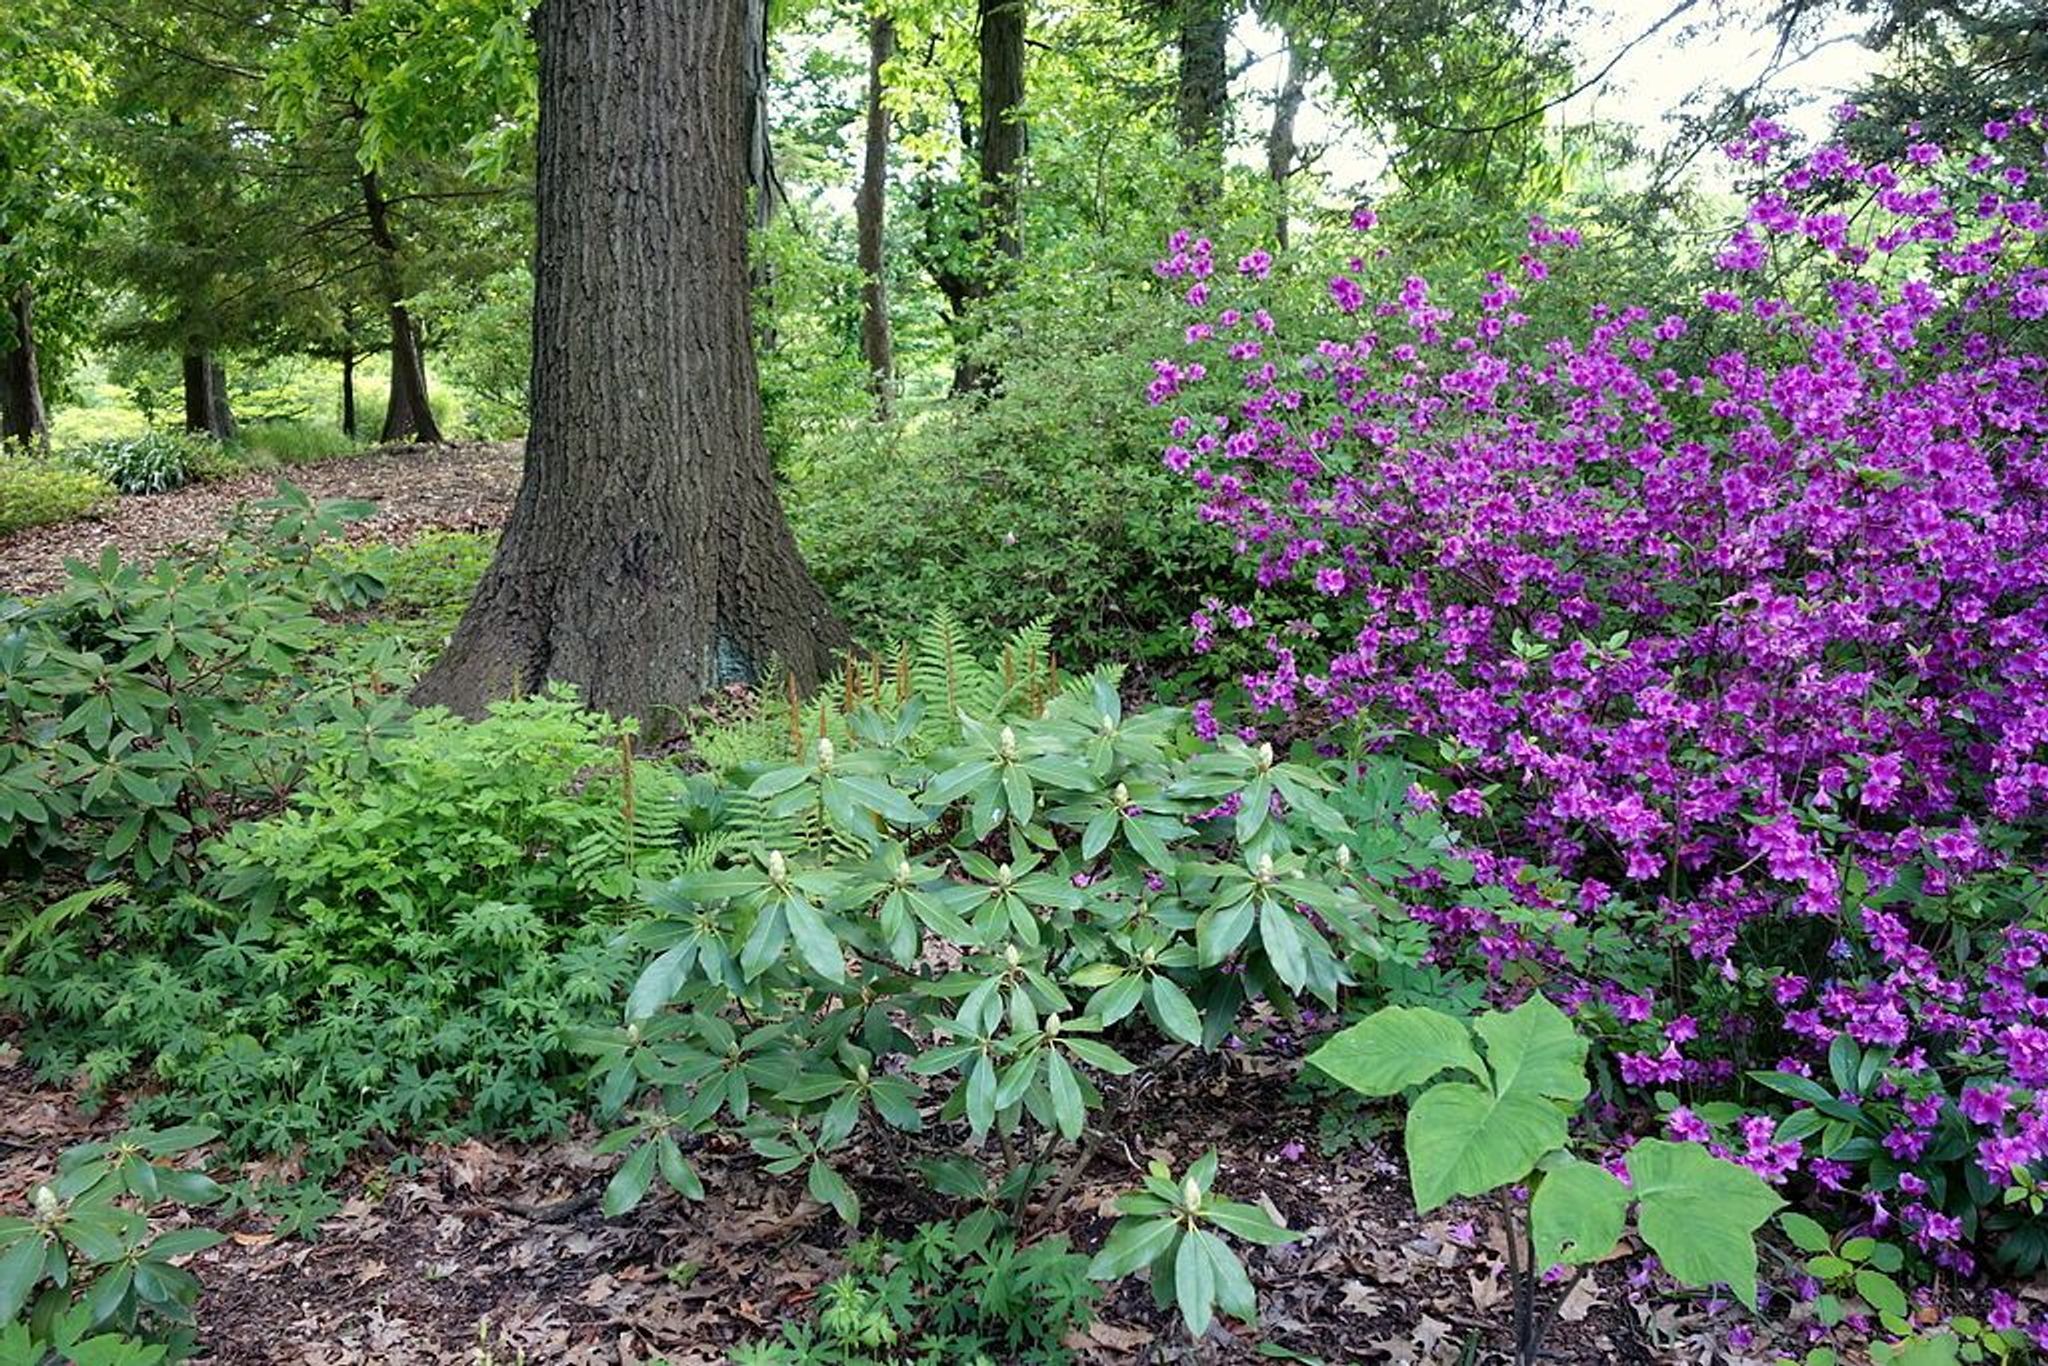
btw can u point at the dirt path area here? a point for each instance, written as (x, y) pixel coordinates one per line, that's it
(464, 487)
(496, 1253)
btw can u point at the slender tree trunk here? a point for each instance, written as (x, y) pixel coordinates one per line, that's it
(1002, 122)
(999, 158)
(870, 211)
(22, 415)
(766, 192)
(1202, 98)
(647, 559)
(207, 411)
(348, 394)
(1281, 150)
(408, 416)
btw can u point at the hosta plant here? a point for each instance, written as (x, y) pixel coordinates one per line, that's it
(1491, 1112)
(83, 1279)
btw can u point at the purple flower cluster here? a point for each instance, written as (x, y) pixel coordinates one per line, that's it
(1731, 622)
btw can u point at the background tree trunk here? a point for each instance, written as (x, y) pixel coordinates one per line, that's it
(408, 415)
(999, 156)
(1281, 151)
(1202, 97)
(1002, 122)
(22, 416)
(348, 394)
(207, 411)
(870, 213)
(647, 559)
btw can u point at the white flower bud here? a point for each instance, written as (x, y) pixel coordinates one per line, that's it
(46, 1202)
(1344, 857)
(778, 866)
(1006, 743)
(1122, 795)
(1265, 754)
(1265, 869)
(903, 870)
(824, 753)
(1011, 956)
(1191, 1194)
(1052, 1026)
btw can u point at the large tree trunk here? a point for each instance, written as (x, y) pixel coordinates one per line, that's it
(207, 411)
(22, 416)
(1203, 96)
(647, 559)
(1281, 150)
(408, 416)
(870, 214)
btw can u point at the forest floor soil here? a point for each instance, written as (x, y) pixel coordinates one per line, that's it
(496, 1253)
(465, 486)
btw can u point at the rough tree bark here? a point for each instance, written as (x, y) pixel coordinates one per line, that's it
(348, 394)
(870, 215)
(1202, 98)
(22, 416)
(647, 559)
(207, 411)
(408, 415)
(1281, 151)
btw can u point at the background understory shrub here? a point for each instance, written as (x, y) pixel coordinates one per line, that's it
(142, 711)
(403, 950)
(1723, 635)
(154, 462)
(36, 490)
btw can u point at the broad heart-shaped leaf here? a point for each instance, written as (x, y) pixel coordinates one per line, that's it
(1465, 1140)
(1700, 1213)
(1533, 1048)
(1577, 1214)
(1396, 1048)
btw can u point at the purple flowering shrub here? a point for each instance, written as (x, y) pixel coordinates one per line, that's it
(1723, 631)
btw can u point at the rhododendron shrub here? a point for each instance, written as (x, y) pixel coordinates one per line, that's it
(1723, 629)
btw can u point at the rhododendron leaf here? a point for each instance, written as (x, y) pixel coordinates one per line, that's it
(1576, 1214)
(1282, 943)
(1466, 1140)
(1221, 929)
(1177, 1014)
(1700, 1214)
(1534, 1048)
(1396, 1048)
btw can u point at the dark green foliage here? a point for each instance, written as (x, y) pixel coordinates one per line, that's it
(941, 1297)
(404, 949)
(83, 1278)
(141, 712)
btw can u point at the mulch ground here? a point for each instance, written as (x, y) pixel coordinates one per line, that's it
(461, 487)
(496, 1253)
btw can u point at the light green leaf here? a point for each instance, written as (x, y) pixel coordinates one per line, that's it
(1177, 1014)
(1700, 1214)
(1132, 1244)
(1194, 1283)
(1534, 1048)
(629, 1184)
(1396, 1048)
(1465, 1140)
(1576, 1214)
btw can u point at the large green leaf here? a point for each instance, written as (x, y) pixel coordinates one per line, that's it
(1465, 1140)
(1700, 1213)
(1577, 1214)
(1396, 1048)
(1534, 1048)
